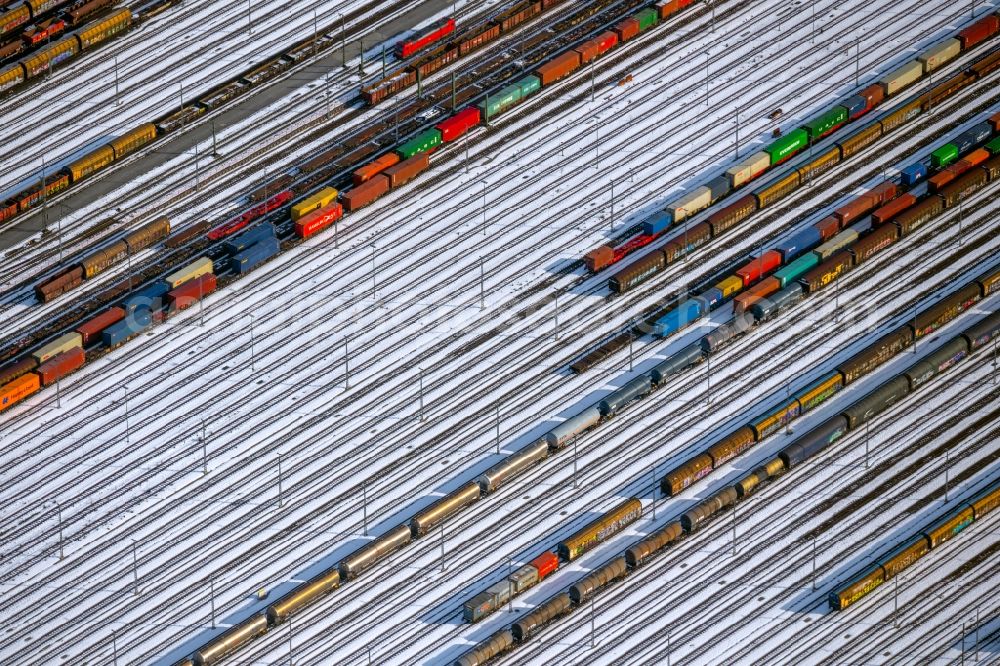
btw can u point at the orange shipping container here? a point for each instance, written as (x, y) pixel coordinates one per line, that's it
(553, 70)
(762, 289)
(18, 390)
(893, 208)
(367, 192)
(366, 172)
(627, 29)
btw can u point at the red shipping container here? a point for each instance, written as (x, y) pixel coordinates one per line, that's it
(607, 40)
(556, 68)
(854, 209)
(317, 220)
(979, 31)
(364, 194)
(874, 94)
(828, 227)
(192, 291)
(61, 365)
(599, 258)
(893, 208)
(995, 121)
(882, 193)
(365, 173)
(91, 329)
(627, 29)
(457, 125)
(763, 289)
(402, 173)
(588, 50)
(762, 265)
(545, 563)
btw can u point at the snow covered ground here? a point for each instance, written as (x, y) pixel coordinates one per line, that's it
(362, 369)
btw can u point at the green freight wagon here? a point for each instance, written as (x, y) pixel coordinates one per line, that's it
(646, 18)
(501, 101)
(421, 143)
(944, 155)
(826, 123)
(529, 84)
(787, 146)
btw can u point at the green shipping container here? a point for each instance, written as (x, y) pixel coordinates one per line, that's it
(529, 84)
(994, 146)
(421, 143)
(646, 18)
(500, 102)
(787, 146)
(817, 127)
(944, 155)
(796, 269)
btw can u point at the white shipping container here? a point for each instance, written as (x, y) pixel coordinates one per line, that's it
(939, 54)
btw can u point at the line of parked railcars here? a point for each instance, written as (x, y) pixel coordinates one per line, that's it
(799, 140)
(464, 42)
(569, 549)
(100, 260)
(889, 565)
(44, 27)
(115, 325)
(813, 257)
(811, 444)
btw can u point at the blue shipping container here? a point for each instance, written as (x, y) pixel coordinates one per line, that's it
(248, 238)
(972, 136)
(131, 325)
(150, 298)
(246, 260)
(678, 318)
(712, 297)
(658, 223)
(856, 106)
(913, 174)
(799, 242)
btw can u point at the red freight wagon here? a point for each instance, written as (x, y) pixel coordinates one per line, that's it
(852, 210)
(979, 31)
(402, 173)
(607, 40)
(61, 365)
(192, 291)
(425, 37)
(588, 50)
(546, 563)
(91, 329)
(318, 220)
(627, 29)
(457, 125)
(882, 193)
(765, 263)
(367, 192)
(893, 208)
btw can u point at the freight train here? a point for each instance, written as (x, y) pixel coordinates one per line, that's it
(802, 138)
(45, 29)
(888, 566)
(808, 446)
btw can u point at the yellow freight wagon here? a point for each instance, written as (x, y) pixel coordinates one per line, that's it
(133, 140)
(91, 162)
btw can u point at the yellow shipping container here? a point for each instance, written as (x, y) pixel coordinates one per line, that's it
(92, 162)
(730, 286)
(313, 202)
(61, 344)
(130, 141)
(105, 29)
(193, 270)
